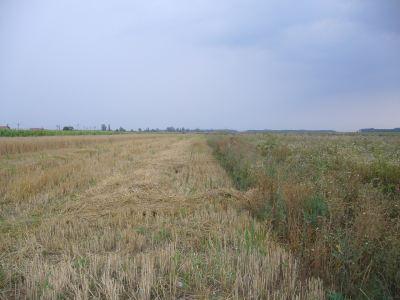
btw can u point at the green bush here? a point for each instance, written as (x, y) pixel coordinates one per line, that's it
(314, 209)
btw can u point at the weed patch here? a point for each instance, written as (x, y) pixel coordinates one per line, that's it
(333, 199)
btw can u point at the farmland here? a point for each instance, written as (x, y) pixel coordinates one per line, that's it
(166, 216)
(47, 132)
(136, 216)
(332, 199)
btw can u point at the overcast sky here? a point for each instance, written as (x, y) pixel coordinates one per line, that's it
(240, 64)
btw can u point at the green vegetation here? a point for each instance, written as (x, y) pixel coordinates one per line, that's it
(45, 132)
(333, 199)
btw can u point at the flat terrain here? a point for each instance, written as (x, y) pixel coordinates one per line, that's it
(133, 216)
(332, 199)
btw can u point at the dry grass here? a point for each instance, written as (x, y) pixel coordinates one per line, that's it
(334, 200)
(134, 217)
(13, 145)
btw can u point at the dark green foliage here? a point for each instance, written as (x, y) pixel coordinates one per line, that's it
(335, 296)
(315, 208)
(2, 277)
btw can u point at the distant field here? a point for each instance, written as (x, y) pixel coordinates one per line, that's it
(133, 217)
(333, 199)
(45, 132)
(13, 145)
(243, 216)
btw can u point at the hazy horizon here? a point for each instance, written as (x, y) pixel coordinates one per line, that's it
(200, 64)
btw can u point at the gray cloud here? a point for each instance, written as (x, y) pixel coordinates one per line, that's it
(237, 64)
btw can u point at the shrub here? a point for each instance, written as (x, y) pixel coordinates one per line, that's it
(314, 209)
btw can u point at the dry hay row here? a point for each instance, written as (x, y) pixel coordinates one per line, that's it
(165, 224)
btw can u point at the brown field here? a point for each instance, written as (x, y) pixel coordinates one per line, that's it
(133, 217)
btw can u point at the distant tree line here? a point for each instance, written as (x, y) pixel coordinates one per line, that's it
(107, 127)
(379, 130)
(290, 131)
(184, 130)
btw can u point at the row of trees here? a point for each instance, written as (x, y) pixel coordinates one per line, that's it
(173, 129)
(104, 127)
(168, 129)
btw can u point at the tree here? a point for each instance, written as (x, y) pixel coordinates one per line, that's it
(103, 127)
(68, 128)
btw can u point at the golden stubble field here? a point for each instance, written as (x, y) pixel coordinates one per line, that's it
(133, 217)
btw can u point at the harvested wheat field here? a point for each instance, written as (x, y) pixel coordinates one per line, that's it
(133, 217)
